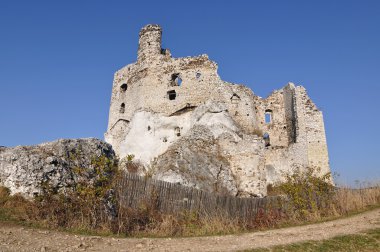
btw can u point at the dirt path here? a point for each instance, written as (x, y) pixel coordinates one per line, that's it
(16, 238)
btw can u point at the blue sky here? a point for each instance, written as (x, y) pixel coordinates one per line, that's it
(57, 60)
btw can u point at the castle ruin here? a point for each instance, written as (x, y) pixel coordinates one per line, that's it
(186, 125)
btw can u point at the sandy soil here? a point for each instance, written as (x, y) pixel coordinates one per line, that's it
(16, 238)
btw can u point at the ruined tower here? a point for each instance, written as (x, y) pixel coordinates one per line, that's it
(162, 107)
(149, 43)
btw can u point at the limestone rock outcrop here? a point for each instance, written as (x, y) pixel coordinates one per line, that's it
(26, 169)
(208, 150)
(214, 154)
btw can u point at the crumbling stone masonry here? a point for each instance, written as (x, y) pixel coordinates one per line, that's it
(165, 111)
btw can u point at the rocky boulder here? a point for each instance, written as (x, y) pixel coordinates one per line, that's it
(59, 164)
(196, 161)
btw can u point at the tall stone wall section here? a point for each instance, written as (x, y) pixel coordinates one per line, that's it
(315, 133)
(302, 123)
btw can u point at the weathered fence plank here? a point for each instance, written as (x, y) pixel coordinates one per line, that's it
(135, 191)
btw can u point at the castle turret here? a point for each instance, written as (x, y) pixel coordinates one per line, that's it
(149, 42)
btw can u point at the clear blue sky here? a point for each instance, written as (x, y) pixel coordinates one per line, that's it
(57, 60)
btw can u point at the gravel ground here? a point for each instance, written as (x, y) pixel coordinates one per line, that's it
(16, 238)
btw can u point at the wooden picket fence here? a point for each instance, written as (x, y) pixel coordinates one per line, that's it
(136, 191)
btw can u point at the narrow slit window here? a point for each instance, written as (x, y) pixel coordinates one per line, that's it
(177, 131)
(266, 139)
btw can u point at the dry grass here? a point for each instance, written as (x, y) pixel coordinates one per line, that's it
(94, 208)
(88, 215)
(351, 200)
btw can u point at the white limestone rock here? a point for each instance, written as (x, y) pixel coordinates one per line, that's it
(24, 169)
(209, 151)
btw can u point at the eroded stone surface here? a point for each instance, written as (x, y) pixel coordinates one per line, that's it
(24, 169)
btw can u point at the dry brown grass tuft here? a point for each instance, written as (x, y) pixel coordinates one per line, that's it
(351, 200)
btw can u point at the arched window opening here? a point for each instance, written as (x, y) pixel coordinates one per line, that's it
(198, 75)
(268, 116)
(124, 87)
(235, 99)
(122, 108)
(172, 95)
(176, 80)
(266, 139)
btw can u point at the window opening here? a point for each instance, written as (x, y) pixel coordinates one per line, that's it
(268, 116)
(122, 108)
(235, 99)
(176, 80)
(266, 139)
(177, 131)
(124, 87)
(172, 95)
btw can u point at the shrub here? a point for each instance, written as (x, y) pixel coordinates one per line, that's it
(130, 165)
(312, 196)
(88, 204)
(308, 192)
(4, 194)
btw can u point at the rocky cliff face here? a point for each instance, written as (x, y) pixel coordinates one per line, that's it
(27, 169)
(202, 148)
